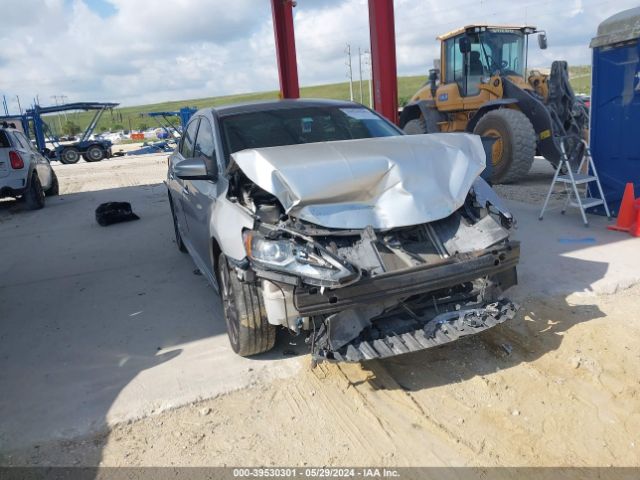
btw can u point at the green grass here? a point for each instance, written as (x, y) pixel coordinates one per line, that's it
(134, 117)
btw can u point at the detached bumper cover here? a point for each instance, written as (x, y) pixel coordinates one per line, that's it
(443, 328)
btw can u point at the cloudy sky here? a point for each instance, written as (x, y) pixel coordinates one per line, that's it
(143, 51)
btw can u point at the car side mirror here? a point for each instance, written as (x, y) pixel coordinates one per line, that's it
(464, 45)
(542, 40)
(192, 169)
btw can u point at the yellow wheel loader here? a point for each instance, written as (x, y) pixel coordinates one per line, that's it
(481, 86)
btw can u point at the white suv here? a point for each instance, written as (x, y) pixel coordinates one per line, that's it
(24, 172)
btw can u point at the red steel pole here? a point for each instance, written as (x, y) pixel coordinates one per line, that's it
(383, 58)
(282, 11)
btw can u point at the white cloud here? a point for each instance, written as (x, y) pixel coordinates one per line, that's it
(147, 52)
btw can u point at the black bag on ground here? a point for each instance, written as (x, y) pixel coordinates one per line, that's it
(114, 212)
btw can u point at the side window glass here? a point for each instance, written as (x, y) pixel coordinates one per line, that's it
(22, 141)
(451, 61)
(458, 65)
(188, 140)
(205, 146)
(30, 145)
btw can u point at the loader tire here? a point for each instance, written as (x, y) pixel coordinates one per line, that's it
(249, 331)
(515, 147)
(424, 123)
(415, 127)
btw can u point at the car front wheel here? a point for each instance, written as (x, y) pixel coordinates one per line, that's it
(54, 189)
(249, 331)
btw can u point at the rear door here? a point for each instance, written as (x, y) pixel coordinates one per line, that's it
(200, 195)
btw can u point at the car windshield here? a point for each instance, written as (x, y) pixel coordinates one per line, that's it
(279, 127)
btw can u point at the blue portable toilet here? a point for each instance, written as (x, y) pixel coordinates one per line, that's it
(615, 104)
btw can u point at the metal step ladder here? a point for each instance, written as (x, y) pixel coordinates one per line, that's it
(572, 180)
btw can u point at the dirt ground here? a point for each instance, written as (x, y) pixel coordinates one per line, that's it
(557, 386)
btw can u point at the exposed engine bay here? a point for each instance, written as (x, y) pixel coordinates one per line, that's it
(370, 292)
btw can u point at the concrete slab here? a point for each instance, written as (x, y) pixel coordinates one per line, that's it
(560, 256)
(100, 325)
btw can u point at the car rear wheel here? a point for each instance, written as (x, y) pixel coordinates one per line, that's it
(70, 155)
(249, 331)
(94, 153)
(34, 196)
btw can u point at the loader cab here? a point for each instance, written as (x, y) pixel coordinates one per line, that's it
(472, 55)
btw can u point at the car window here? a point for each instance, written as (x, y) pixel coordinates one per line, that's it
(4, 139)
(205, 146)
(22, 141)
(186, 148)
(279, 127)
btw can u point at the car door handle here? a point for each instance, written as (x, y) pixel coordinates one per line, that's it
(185, 190)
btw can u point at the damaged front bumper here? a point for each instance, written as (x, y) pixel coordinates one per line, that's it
(430, 332)
(379, 317)
(453, 271)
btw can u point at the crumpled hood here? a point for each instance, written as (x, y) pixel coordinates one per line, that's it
(385, 182)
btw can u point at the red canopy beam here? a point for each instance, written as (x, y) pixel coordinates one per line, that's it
(282, 11)
(383, 58)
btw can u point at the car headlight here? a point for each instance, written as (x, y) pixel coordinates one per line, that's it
(285, 255)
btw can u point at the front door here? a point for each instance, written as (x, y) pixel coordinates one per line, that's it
(200, 195)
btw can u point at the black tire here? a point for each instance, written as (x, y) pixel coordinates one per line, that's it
(176, 230)
(69, 155)
(54, 189)
(415, 127)
(94, 153)
(244, 312)
(34, 196)
(515, 148)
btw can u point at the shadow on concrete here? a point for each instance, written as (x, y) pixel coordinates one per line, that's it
(85, 309)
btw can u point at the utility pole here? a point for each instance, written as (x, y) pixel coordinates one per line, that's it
(360, 71)
(367, 61)
(55, 99)
(63, 99)
(347, 50)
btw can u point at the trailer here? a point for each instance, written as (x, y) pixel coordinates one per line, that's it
(91, 150)
(172, 129)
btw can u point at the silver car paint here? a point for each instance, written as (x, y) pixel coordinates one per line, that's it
(33, 160)
(205, 213)
(384, 183)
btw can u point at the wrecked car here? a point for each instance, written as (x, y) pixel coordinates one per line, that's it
(323, 217)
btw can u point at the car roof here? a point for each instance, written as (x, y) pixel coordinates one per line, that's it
(269, 105)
